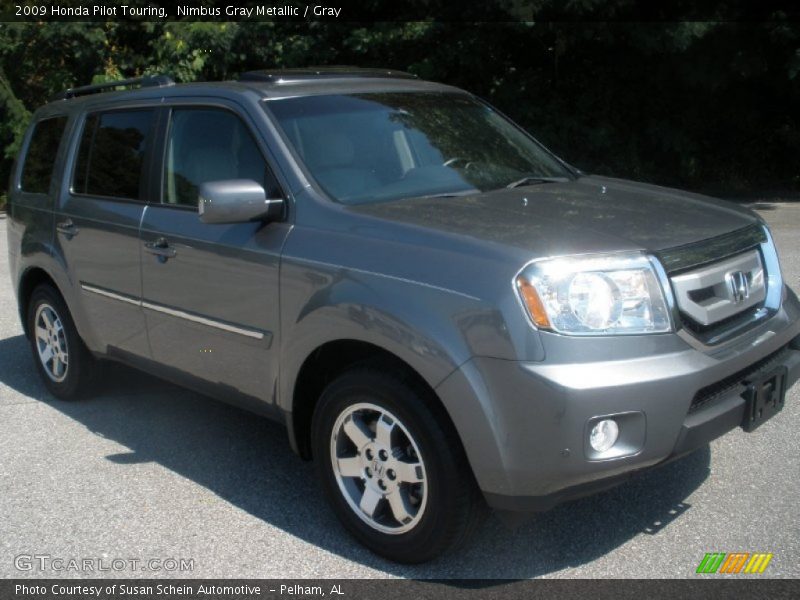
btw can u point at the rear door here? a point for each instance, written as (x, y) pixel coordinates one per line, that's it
(97, 225)
(210, 292)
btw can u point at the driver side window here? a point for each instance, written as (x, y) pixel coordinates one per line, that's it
(210, 144)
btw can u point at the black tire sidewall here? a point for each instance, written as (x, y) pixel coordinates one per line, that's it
(77, 368)
(439, 524)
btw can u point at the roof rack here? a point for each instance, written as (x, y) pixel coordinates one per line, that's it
(154, 81)
(311, 73)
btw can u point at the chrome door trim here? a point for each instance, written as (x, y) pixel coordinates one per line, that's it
(103, 292)
(173, 312)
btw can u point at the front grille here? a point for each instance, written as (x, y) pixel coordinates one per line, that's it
(720, 285)
(702, 295)
(733, 322)
(721, 289)
(736, 383)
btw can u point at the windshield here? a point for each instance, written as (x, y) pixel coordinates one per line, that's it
(383, 146)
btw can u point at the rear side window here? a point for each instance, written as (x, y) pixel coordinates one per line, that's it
(37, 170)
(111, 154)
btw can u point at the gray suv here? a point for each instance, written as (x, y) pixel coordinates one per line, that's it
(444, 314)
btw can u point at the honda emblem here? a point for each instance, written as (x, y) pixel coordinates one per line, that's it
(738, 286)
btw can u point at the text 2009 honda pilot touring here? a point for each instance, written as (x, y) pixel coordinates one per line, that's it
(442, 312)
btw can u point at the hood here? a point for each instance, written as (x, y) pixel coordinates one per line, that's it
(590, 214)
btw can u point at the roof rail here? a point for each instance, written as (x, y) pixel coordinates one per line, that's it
(311, 73)
(154, 81)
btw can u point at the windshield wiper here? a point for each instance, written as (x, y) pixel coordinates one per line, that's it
(451, 194)
(534, 179)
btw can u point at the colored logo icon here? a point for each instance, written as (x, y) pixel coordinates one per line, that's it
(734, 562)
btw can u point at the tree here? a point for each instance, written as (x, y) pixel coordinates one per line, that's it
(705, 105)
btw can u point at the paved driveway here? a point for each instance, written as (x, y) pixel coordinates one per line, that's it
(145, 470)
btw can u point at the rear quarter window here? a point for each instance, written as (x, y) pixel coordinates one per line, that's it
(37, 169)
(111, 154)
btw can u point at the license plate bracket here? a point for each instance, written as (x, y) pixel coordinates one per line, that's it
(764, 398)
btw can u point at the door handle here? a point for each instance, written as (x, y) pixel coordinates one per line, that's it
(67, 227)
(161, 249)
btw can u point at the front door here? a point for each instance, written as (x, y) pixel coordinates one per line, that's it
(210, 292)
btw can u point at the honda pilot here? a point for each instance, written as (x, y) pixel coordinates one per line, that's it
(443, 314)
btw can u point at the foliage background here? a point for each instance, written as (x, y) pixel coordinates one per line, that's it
(710, 106)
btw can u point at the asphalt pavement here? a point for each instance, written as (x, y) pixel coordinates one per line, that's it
(145, 475)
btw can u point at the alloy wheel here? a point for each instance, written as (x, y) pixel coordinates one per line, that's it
(51, 342)
(379, 468)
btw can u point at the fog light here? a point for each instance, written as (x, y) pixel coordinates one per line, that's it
(604, 435)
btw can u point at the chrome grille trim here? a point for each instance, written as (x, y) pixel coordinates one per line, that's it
(709, 294)
(713, 327)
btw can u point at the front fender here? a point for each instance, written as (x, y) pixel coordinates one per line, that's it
(423, 326)
(434, 301)
(430, 329)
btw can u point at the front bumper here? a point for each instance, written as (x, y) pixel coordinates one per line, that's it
(524, 425)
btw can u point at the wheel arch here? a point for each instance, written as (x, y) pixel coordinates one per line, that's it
(326, 362)
(30, 279)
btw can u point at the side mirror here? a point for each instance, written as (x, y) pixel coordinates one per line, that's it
(236, 201)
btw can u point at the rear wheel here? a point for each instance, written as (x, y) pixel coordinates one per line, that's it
(392, 467)
(62, 359)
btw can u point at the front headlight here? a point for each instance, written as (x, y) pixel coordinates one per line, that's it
(595, 295)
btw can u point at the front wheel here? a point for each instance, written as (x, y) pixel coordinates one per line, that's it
(392, 467)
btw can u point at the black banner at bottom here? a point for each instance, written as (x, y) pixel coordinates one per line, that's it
(390, 589)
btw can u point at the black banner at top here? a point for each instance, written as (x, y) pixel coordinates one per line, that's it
(363, 11)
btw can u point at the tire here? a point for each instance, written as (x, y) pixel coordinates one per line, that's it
(433, 488)
(72, 378)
